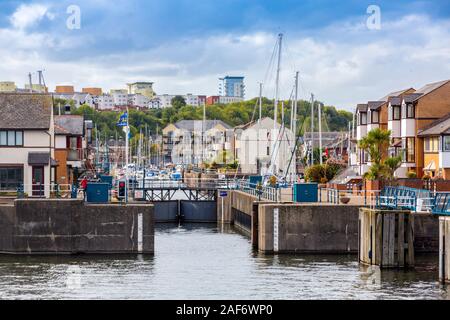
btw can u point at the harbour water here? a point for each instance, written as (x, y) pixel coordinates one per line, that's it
(207, 262)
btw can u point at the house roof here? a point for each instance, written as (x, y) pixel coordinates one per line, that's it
(394, 94)
(431, 87)
(437, 127)
(395, 101)
(69, 125)
(412, 97)
(361, 107)
(424, 91)
(375, 105)
(191, 125)
(25, 111)
(39, 158)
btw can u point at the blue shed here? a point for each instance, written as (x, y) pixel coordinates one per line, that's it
(306, 192)
(97, 193)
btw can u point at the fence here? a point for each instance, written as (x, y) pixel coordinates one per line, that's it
(262, 192)
(42, 190)
(405, 198)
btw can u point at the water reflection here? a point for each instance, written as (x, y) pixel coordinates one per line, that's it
(209, 262)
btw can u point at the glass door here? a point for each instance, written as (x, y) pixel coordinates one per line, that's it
(38, 182)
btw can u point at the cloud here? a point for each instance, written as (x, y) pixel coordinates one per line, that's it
(29, 15)
(343, 63)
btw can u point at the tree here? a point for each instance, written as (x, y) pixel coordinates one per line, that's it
(178, 102)
(376, 144)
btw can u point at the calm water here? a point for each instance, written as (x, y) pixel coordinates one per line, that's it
(203, 262)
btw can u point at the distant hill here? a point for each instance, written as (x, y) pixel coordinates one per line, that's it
(234, 114)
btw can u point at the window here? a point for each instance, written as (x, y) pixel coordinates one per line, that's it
(375, 116)
(11, 138)
(268, 151)
(3, 138)
(10, 178)
(408, 149)
(410, 112)
(394, 113)
(431, 144)
(446, 144)
(362, 119)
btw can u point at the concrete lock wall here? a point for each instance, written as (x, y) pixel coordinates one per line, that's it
(70, 226)
(308, 228)
(426, 233)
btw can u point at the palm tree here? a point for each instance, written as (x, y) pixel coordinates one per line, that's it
(376, 144)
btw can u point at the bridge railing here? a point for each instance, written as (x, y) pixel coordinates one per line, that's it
(441, 205)
(404, 198)
(262, 192)
(186, 183)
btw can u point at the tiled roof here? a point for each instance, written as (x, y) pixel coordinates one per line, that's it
(69, 125)
(25, 111)
(361, 107)
(38, 158)
(437, 127)
(395, 101)
(412, 97)
(394, 94)
(374, 105)
(431, 87)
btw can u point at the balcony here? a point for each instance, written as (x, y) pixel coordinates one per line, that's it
(75, 154)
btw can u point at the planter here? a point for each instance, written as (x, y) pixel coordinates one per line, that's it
(373, 186)
(345, 200)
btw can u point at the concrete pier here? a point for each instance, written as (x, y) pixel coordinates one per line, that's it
(444, 249)
(310, 228)
(73, 227)
(302, 228)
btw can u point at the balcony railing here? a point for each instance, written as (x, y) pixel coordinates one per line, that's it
(75, 154)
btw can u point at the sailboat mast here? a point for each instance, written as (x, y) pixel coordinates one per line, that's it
(259, 128)
(320, 132)
(277, 83)
(312, 129)
(294, 123)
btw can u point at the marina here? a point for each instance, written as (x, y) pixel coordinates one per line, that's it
(207, 262)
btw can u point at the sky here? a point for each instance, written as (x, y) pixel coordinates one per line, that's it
(185, 46)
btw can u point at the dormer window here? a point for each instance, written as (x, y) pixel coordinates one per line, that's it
(408, 111)
(375, 115)
(394, 113)
(362, 119)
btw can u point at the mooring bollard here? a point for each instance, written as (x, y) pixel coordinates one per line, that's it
(386, 238)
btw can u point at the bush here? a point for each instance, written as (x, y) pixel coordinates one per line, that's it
(412, 175)
(322, 173)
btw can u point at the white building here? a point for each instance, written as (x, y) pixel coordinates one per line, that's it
(228, 100)
(105, 102)
(120, 98)
(191, 100)
(195, 141)
(259, 145)
(138, 100)
(78, 98)
(26, 143)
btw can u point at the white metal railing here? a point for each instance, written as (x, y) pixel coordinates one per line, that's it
(40, 190)
(262, 192)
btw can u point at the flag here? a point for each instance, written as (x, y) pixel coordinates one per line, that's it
(123, 120)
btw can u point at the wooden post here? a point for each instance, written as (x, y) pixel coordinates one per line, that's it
(444, 249)
(386, 238)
